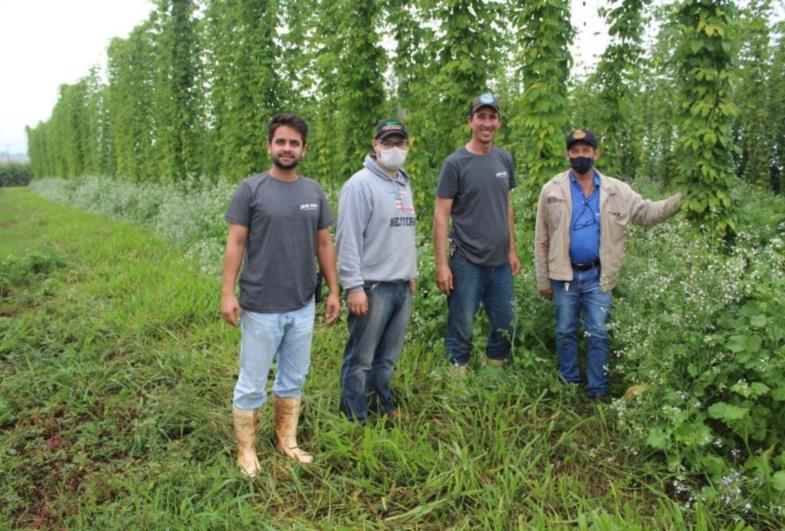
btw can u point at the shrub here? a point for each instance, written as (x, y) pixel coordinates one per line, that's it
(700, 321)
(15, 174)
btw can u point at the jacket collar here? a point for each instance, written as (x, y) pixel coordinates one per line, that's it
(607, 188)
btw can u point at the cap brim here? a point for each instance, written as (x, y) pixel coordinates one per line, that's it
(495, 107)
(581, 140)
(385, 134)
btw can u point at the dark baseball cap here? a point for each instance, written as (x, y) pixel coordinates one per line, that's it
(390, 127)
(484, 100)
(581, 135)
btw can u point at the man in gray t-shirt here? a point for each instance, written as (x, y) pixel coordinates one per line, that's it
(474, 190)
(277, 220)
(279, 273)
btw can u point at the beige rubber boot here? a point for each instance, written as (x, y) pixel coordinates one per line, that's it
(635, 391)
(287, 414)
(245, 432)
(461, 371)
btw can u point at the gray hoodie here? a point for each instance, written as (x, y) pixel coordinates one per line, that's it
(376, 228)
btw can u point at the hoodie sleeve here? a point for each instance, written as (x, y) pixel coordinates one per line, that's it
(354, 213)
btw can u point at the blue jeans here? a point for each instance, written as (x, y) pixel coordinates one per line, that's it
(582, 297)
(375, 342)
(473, 283)
(266, 336)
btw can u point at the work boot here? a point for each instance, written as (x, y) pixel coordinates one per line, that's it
(635, 391)
(460, 370)
(287, 414)
(493, 362)
(245, 432)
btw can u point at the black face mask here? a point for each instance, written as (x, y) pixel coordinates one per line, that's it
(582, 164)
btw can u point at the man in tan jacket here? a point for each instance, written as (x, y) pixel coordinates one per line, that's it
(582, 220)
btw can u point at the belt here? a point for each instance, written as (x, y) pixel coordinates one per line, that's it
(586, 267)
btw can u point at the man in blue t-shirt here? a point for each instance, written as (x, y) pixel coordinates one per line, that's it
(276, 221)
(474, 190)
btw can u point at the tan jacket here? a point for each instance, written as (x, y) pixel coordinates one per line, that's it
(619, 206)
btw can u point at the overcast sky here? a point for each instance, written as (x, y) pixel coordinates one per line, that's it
(46, 43)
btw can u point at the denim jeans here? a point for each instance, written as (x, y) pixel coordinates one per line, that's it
(472, 284)
(375, 342)
(582, 297)
(266, 336)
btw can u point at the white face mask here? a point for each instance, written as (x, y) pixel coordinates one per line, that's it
(392, 158)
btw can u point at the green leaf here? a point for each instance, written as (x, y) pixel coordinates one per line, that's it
(758, 389)
(727, 412)
(779, 393)
(657, 438)
(741, 343)
(736, 343)
(778, 481)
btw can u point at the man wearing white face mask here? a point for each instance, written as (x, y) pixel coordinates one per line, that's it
(377, 266)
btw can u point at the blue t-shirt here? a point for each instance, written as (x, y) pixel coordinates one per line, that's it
(585, 224)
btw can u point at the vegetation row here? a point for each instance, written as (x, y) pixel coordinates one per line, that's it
(695, 326)
(187, 93)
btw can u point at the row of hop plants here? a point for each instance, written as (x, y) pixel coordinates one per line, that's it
(696, 326)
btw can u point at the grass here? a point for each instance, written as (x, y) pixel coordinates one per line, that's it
(115, 401)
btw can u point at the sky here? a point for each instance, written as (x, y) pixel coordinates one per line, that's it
(45, 43)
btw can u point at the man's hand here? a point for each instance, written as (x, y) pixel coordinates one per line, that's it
(515, 264)
(547, 294)
(357, 302)
(413, 285)
(332, 308)
(230, 309)
(444, 278)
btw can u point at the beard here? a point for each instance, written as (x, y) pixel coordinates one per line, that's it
(289, 166)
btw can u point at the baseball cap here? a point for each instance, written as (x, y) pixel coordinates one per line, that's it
(484, 100)
(389, 127)
(581, 135)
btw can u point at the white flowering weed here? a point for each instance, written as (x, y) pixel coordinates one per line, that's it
(190, 213)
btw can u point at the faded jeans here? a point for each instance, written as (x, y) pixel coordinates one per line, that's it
(267, 336)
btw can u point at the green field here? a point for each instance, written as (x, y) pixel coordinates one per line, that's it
(115, 413)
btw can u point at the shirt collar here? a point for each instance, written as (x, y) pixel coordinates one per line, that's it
(595, 175)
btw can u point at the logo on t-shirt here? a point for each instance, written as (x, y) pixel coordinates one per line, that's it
(309, 206)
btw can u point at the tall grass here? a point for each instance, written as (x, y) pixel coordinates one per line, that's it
(115, 407)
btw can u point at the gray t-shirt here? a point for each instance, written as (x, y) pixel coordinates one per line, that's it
(479, 186)
(279, 271)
